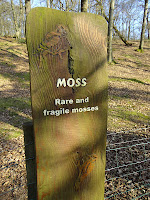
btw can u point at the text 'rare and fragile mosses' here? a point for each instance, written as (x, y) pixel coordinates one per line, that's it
(62, 111)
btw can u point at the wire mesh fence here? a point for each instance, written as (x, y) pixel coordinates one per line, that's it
(127, 167)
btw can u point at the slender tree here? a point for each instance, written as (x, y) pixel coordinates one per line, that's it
(21, 17)
(110, 27)
(129, 29)
(48, 3)
(148, 24)
(101, 7)
(118, 32)
(61, 5)
(17, 34)
(27, 6)
(84, 5)
(51, 2)
(67, 5)
(143, 26)
(7, 26)
(114, 27)
(79, 6)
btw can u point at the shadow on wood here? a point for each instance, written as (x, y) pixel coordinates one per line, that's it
(30, 160)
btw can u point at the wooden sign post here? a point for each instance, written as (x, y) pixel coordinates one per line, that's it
(67, 55)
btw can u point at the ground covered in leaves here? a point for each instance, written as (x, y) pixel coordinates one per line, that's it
(128, 110)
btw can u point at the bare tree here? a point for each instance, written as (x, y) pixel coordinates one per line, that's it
(67, 5)
(48, 3)
(84, 5)
(114, 27)
(79, 6)
(51, 2)
(129, 29)
(101, 7)
(7, 27)
(143, 26)
(61, 5)
(110, 27)
(21, 18)
(27, 6)
(148, 25)
(17, 34)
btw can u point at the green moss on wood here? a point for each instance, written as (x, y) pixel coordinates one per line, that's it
(86, 35)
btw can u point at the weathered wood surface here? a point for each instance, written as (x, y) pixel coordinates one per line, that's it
(70, 147)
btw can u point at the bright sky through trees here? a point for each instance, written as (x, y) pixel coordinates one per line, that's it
(128, 14)
(125, 11)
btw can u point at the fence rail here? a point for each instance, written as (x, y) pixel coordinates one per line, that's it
(127, 168)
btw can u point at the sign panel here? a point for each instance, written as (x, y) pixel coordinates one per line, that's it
(67, 55)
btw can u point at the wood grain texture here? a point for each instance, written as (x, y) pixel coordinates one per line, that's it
(70, 148)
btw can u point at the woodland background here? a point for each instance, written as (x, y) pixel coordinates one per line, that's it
(128, 149)
(128, 14)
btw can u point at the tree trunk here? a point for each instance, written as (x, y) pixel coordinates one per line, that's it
(129, 30)
(20, 18)
(67, 5)
(148, 25)
(2, 29)
(110, 26)
(119, 34)
(48, 4)
(23, 20)
(27, 6)
(101, 7)
(122, 32)
(126, 33)
(89, 6)
(61, 5)
(84, 5)
(51, 2)
(143, 25)
(114, 27)
(79, 6)
(15, 19)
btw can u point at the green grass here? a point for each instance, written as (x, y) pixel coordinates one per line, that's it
(4, 44)
(14, 110)
(139, 63)
(7, 64)
(23, 78)
(22, 41)
(19, 103)
(9, 133)
(126, 79)
(140, 50)
(147, 80)
(120, 58)
(14, 51)
(135, 80)
(15, 134)
(129, 56)
(128, 115)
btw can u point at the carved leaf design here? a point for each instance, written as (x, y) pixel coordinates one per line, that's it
(85, 169)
